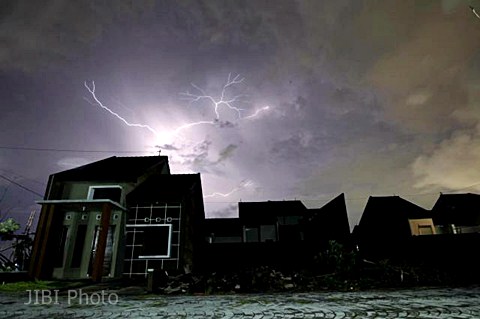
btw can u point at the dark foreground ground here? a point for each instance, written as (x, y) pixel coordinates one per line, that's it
(130, 302)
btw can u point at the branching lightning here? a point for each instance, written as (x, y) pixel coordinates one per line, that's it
(168, 137)
(223, 100)
(217, 102)
(100, 104)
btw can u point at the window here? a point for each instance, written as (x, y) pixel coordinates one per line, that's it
(268, 233)
(112, 192)
(60, 253)
(251, 234)
(288, 220)
(425, 230)
(79, 244)
(156, 241)
(419, 227)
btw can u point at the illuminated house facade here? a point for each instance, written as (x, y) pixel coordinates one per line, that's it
(117, 217)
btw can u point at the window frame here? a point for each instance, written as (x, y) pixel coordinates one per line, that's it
(169, 244)
(91, 190)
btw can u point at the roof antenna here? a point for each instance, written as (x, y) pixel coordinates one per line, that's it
(159, 151)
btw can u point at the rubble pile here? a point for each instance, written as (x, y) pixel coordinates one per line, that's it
(260, 279)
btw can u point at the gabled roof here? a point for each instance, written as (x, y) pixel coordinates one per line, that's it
(389, 216)
(116, 169)
(331, 220)
(457, 209)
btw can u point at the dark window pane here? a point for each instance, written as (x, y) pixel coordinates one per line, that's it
(112, 193)
(155, 241)
(268, 233)
(79, 244)
(288, 220)
(251, 235)
(61, 247)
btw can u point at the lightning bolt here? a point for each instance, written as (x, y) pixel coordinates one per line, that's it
(243, 185)
(263, 109)
(118, 116)
(217, 103)
(474, 12)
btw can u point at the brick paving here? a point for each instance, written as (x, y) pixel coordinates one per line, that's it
(451, 303)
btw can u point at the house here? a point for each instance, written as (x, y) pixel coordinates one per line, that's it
(272, 221)
(446, 237)
(386, 226)
(280, 233)
(330, 222)
(119, 216)
(457, 213)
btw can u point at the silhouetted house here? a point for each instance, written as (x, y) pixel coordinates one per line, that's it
(455, 244)
(457, 213)
(280, 233)
(117, 217)
(272, 221)
(328, 223)
(387, 224)
(447, 237)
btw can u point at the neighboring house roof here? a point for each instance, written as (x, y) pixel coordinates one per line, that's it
(457, 209)
(116, 169)
(331, 220)
(259, 212)
(388, 217)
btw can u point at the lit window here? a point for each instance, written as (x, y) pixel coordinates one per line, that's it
(422, 226)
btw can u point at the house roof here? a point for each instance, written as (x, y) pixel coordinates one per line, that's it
(116, 169)
(389, 216)
(457, 209)
(331, 220)
(166, 188)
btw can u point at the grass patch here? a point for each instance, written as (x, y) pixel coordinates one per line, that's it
(22, 286)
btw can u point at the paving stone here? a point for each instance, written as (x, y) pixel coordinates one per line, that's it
(415, 303)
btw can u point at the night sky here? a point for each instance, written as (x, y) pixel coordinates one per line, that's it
(360, 97)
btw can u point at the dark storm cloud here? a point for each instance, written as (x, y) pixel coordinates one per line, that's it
(227, 152)
(229, 211)
(168, 147)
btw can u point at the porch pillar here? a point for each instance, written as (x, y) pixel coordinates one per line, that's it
(97, 271)
(40, 263)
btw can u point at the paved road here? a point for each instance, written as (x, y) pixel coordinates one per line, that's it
(451, 303)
